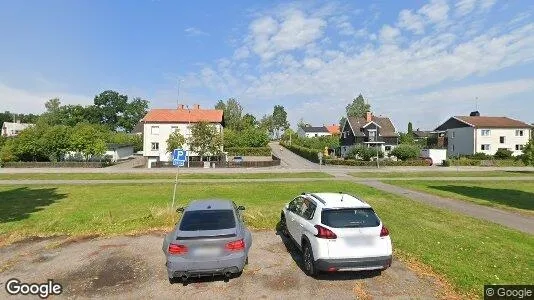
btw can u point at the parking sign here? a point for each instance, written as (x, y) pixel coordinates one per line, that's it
(179, 156)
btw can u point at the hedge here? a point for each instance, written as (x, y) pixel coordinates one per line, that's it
(249, 151)
(63, 164)
(388, 163)
(307, 153)
(486, 162)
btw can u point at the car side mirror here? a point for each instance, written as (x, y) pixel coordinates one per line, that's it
(240, 207)
(180, 210)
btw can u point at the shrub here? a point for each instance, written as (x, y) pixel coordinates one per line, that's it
(446, 163)
(406, 152)
(503, 153)
(479, 155)
(364, 153)
(249, 137)
(249, 151)
(361, 163)
(307, 153)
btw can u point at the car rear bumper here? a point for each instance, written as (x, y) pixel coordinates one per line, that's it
(354, 264)
(177, 267)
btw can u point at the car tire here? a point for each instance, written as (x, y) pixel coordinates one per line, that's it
(308, 262)
(283, 225)
(172, 280)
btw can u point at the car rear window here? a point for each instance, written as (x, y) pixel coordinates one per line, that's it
(350, 218)
(207, 220)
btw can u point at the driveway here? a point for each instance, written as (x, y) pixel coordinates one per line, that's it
(133, 267)
(291, 160)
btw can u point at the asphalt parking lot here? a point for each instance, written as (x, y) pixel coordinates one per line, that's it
(133, 267)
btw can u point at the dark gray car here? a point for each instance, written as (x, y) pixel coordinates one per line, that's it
(210, 239)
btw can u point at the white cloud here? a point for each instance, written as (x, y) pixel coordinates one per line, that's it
(436, 11)
(487, 4)
(389, 34)
(411, 21)
(294, 30)
(25, 101)
(193, 31)
(463, 7)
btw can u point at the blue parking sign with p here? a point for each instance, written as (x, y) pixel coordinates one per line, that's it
(179, 156)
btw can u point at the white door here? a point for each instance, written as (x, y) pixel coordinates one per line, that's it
(292, 218)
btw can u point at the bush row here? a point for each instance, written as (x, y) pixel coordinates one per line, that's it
(484, 162)
(307, 153)
(390, 163)
(63, 164)
(249, 151)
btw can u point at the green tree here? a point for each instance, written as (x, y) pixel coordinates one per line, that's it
(301, 123)
(279, 119)
(110, 107)
(405, 138)
(205, 139)
(8, 152)
(410, 128)
(31, 146)
(52, 105)
(89, 139)
(406, 152)
(57, 142)
(175, 141)
(248, 120)
(528, 153)
(358, 107)
(232, 113)
(266, 123)
(133, 113)
(503, 153)
(342, 123)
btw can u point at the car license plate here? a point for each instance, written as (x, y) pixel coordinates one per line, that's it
(207, 251)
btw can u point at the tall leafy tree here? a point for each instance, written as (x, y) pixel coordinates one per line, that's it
(266, 123)
(89, 139)
(52, 105)
(410, 128)
(133, 113)
(175, 141)
(233, 112)
(249, 120)
(342, 122)
(528, 153)
(358, 107)
(57, 142)
(205, 139)
(110, 106)
(301, 123)
(279, 119)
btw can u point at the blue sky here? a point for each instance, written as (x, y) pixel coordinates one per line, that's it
(418, 61)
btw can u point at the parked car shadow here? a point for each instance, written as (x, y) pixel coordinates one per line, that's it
(19, 203)
(205, 279)
(508, 197)
(295, 253)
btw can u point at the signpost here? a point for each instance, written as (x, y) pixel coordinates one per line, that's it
(179, 156)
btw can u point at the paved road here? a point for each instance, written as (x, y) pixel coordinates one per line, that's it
(505, 218)
(290, 160)
(133, 268)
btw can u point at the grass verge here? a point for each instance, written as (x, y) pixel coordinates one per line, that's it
(434, 173)
(517, 196)
(466, 251)
(121, 176)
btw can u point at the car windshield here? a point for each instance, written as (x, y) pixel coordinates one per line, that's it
(350, 218)
(207, 220)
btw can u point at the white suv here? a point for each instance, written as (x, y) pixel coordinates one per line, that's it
(336, 232)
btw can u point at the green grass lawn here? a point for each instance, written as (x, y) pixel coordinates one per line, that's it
(517, 196)
(118, 176)
(467, 251)
(434, 173)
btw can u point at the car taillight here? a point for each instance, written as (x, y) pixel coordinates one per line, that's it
(384, 231)
(177, 249)
(325, 233)
(235, 245)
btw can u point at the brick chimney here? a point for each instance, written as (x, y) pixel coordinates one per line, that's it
(368, 116)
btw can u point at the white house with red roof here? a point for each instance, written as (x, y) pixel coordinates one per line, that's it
(466, 135)
(158, 124)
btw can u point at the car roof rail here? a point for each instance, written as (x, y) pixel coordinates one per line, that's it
(318, 198)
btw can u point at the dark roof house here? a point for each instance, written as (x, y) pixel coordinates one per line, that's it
(369, 130)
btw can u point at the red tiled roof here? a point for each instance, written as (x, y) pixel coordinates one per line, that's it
(183, 116)
(492, 122)
(333, 129)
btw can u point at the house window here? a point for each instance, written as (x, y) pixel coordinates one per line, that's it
(453, 148)
(316, 135)
(174, 128)
(519, 147)
(519, 133)
(388, 148)
(485, 147)
(485, 132)
(155, 146)
(154, 130)
(502, 139)
(453, 134)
